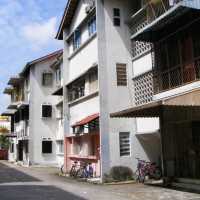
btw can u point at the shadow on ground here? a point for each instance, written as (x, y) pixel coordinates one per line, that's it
(9, 175)
(175, 188)
(35, 192)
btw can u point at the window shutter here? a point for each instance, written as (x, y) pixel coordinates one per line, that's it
(121, 75)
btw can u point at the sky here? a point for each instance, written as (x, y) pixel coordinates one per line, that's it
(27, 32)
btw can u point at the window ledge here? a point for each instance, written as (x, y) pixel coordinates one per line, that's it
(82, 46)
(60, 154)
(84, 98)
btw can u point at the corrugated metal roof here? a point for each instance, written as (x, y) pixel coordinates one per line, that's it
(87, 120)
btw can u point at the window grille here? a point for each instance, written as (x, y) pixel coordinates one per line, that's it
(143, 86)
(121, 75)
(125, 147)
(139, 48)
(47, 79)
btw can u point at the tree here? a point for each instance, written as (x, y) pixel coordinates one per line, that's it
(4, 141)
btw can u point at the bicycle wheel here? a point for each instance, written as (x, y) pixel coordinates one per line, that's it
(157, 174)
(79, 173)
(72, 172)
(61, 169)
(136, 175)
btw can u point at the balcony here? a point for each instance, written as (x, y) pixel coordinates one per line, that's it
(176, 76)
(149, 23)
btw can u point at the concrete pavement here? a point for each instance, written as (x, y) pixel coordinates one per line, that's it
(34, 183)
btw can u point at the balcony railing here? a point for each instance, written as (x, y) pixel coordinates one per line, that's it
(176, 76)
(155, 14)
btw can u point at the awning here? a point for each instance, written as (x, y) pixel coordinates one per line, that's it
(9, 113)
(87, 120)
(189, 100)
(15, 80)
(148, 110)
(8, 90)
(12, 135)
(13, 105)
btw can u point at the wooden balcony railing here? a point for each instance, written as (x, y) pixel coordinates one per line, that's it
(176, 76)
(151, 10)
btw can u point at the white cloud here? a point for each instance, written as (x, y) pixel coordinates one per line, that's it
(40, 34)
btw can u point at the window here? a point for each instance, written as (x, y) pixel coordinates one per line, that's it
(58, 76)
(76, 90)
(46, 111)
(47, 79)
(77, 39)
(121, 75)
(46, 146)
(124, 140)
(92, 26)
(60, 146)
(12, 148)
(116, 17)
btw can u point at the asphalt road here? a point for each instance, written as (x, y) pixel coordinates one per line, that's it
(37, 183)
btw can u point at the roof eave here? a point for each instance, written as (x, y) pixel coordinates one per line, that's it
(59, 35)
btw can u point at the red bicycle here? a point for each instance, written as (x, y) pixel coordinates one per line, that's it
(145, 169)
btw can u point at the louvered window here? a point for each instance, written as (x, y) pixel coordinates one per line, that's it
(125, 147)
(121, 75)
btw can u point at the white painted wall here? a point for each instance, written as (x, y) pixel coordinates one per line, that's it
(79, 15)
(41, 128)
(83, 60)
(147, 125)
(142, 65)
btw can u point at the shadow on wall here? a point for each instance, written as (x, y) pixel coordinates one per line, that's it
(150, 143)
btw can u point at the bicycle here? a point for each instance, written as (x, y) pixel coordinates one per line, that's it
(73, 171)
(139, 174)
(147, 169)
(153, 171)
(85, 170)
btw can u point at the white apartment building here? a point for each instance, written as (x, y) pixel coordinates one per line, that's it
(34, 113)
(97, 81)
(166, 50)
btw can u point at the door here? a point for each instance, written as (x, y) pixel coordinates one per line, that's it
(20, 151)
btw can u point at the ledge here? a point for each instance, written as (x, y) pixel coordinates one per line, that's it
(82, 46)
(83, 157)
(84, 98)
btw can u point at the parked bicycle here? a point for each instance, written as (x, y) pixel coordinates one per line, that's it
(145, 169)
(82, 170)
(85, 170)
(74, 169)
(139, 174)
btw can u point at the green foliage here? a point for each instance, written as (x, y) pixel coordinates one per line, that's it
(4, 142)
